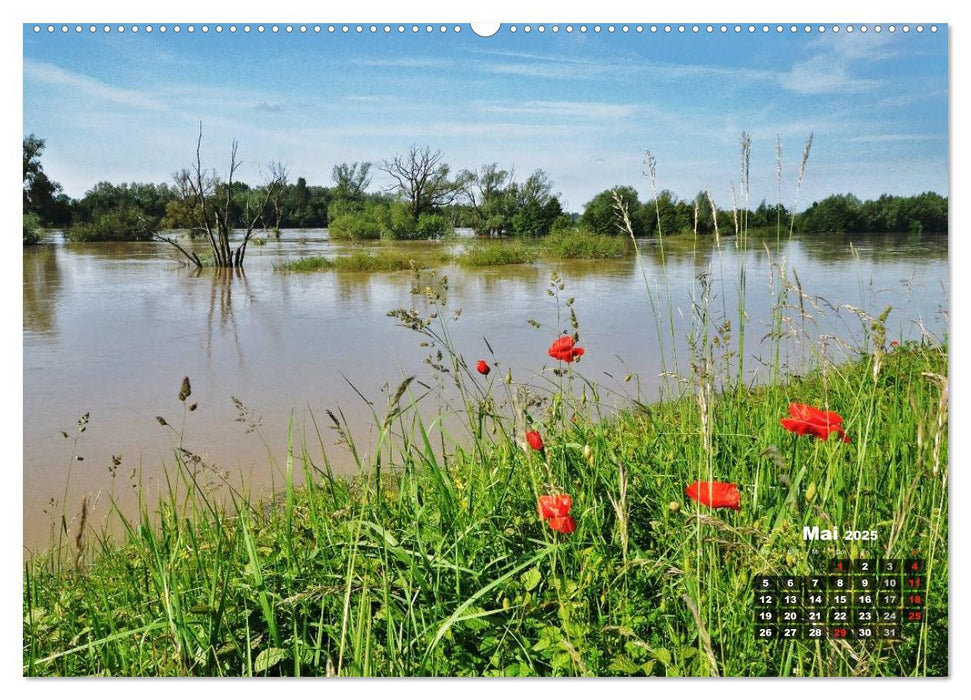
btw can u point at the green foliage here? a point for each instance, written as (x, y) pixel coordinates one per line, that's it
(486, 254)
(536, 206)
(579, 243)
(387, 260)
(360, 226)
(601, 216)
(925, 212)
(32, 229)
(127, 223)
(315, 263)
(676, 216)
(432, 226)
(370, 220)
(41, 194)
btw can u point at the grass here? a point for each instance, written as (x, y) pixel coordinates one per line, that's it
(492, 253)
(571, 244)
(385, 260)
(580, 244)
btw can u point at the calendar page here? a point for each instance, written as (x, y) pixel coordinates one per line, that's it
(436, 349)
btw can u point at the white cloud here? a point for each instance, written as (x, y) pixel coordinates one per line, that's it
(591, 110)
(824, 72)
(50, 74)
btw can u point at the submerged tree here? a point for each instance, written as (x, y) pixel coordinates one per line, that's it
(421, 180)
(209, 201)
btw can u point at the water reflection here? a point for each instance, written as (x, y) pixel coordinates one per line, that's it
(42, 288)
(221, 313)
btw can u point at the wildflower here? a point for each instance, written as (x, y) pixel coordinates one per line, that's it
(894, 343)
(554, 506)
(807, 420)
(535, 440)
(482, 367)
(715, 494)
(556, 509)
(564, 524)
(563, 349)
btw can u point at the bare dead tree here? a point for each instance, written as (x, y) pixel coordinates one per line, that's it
(279, 173)
(421, 178)
(211, 202)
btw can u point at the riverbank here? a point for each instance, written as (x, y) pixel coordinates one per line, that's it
(434, 561)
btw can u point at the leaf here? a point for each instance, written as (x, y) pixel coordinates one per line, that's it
(663, 655)
(543, 643)
(624, 665)
(268, 658)
(532, 578)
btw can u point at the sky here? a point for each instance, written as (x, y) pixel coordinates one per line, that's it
(583, 106)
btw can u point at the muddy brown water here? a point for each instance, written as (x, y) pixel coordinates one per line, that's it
(109, 330)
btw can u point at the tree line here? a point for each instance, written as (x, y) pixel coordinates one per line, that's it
(425, 199)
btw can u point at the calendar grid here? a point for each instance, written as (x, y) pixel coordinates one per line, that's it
(862, 599)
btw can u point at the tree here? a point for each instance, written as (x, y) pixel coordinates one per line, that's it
(536, 206)
(600, 214)
(351, 180)
(279, 174)
(663, 208)
(489, 192)
(421, 179)
(210, 201)
(39, 190)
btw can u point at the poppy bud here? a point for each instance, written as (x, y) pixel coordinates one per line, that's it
(482, 367)
(535, 440)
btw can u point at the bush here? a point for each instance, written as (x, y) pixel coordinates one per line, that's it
(359, 226)
(316, 263)
(381, 261)
(579, 243)
(123, 224)
(32, 229)
(498, 253)
(432, 226)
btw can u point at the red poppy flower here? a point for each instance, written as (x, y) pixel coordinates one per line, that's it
(564, 524)
(894, 343)
(554, 506)
(715, 494)
(807, 420)
(563, 349)
(535, 440)
(482, 367)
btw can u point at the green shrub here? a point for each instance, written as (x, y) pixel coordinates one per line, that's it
(32, 229)
(498, 253)
(432, 226)
(316, 263)
(123, 224)
(354, 227)
(380, 261)
(579, 243)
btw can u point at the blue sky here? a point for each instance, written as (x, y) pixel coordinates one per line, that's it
(582, 106)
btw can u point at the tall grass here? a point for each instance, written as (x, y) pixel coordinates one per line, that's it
(481, 254)
(385, 260)
(432, 560)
